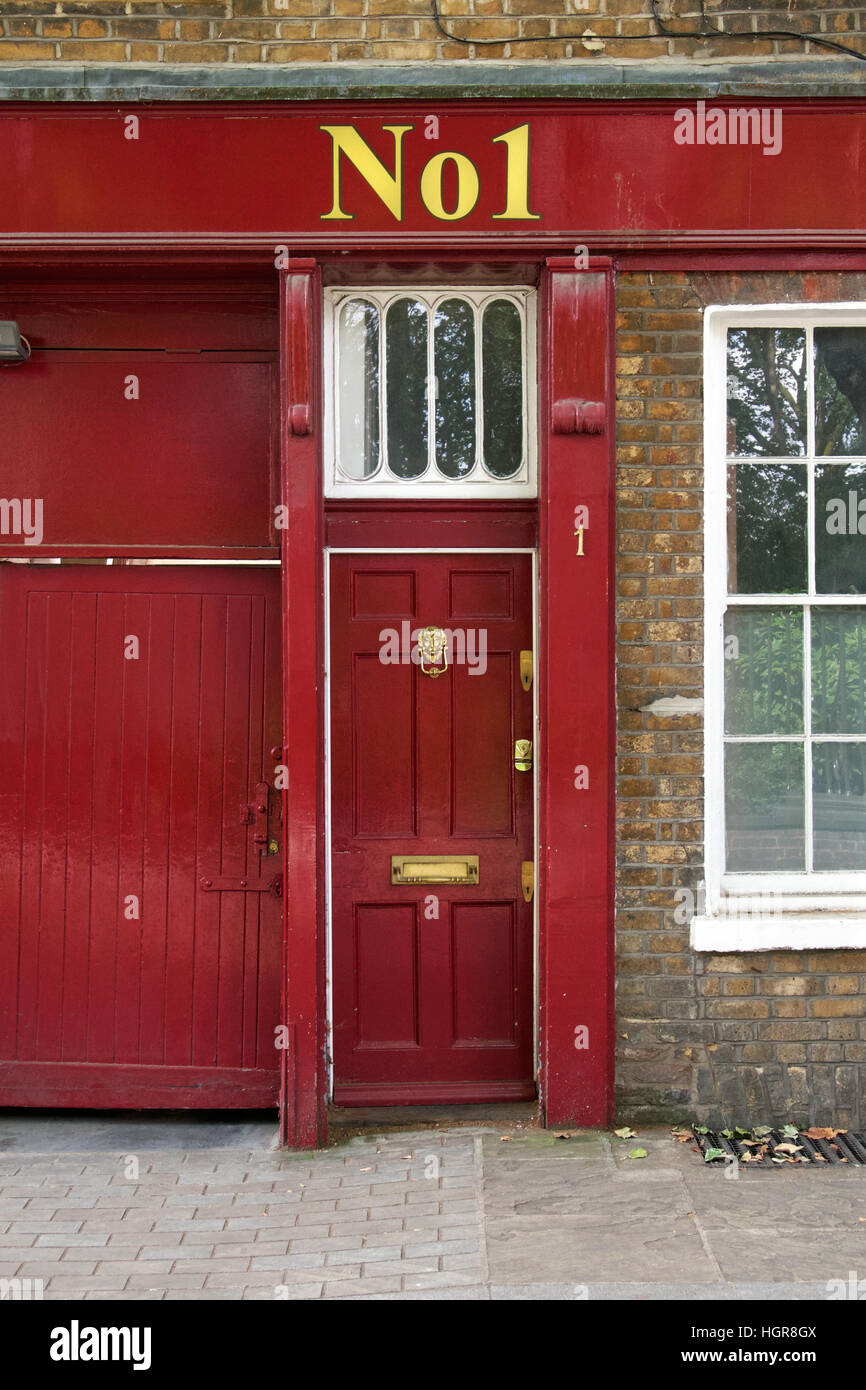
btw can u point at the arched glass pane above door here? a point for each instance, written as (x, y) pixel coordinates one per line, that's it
(430, 392)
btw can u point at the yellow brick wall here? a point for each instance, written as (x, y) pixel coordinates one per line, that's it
(737, 1039)
(322, 31)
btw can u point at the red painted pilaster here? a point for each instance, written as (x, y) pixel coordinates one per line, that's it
(303, 1092)
(576, 694)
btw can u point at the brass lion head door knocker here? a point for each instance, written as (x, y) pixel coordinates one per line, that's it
(433, 649)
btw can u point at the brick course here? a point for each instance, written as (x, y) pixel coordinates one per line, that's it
(765, 1036)
(286, 31)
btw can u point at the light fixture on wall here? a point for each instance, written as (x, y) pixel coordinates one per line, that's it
(13, 347)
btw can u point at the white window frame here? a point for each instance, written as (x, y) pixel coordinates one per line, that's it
(432, 484)
(808, 911)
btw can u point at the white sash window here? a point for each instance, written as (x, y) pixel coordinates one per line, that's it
(785, 459)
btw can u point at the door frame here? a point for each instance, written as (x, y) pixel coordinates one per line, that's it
(576, 725)
(328, 552)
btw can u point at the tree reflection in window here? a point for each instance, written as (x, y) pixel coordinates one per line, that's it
(406, 372)
(840, 391)
(766, 392)
(502, 353)
(795, 670)
(454, 361)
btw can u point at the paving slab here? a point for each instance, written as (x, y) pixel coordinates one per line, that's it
(506, 1212)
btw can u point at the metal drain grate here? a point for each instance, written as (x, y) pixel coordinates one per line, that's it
(775, 1148)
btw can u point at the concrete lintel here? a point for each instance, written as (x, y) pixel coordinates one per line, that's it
(600, 79)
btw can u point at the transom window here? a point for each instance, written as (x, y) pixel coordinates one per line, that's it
(431, 391)
(786, 606)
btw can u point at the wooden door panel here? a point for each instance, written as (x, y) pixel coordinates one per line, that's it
(432, 984)
(382, 703)
(386, 982)
(480, 593)
(486, 974)
(123, 782)
(482, 718)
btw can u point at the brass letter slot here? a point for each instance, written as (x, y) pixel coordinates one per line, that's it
(434, 868)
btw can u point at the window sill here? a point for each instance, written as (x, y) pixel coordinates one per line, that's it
(782, 931)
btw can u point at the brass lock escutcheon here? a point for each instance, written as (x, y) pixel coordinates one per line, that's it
(527, 879)
(526, 669)
(523, 755)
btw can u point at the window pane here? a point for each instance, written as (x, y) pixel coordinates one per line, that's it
(502, 386)
(764, 808)
(406, 374)
(767, 551)
(839, 805)
(766, 392)
(764, 671)
(840, 390)
(359, 388)
(840, 528)
(839, 670)
(454, 349)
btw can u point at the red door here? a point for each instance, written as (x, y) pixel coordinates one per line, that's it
(432, 980)
(136, 970)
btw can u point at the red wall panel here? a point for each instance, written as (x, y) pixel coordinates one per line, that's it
(139, 451)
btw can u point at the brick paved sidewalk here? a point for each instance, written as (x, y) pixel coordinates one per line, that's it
(458, 1213)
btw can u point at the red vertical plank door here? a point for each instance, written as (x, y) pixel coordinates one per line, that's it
(128, 771)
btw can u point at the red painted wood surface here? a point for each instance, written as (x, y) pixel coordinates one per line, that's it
(576, 706)
(145, 427)
(124, 779)
(304, 1082)
(432, 983)
(607, 173)
(434, 525)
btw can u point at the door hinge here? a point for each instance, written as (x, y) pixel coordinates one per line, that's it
(227, 884)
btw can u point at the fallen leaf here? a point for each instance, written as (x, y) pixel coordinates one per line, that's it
(760, 1130)
(505, 1138)
(710, 1154)
(638, 1153)
(789, 1148)
(625, 1133)
(790, 1131)
(817, 1133)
